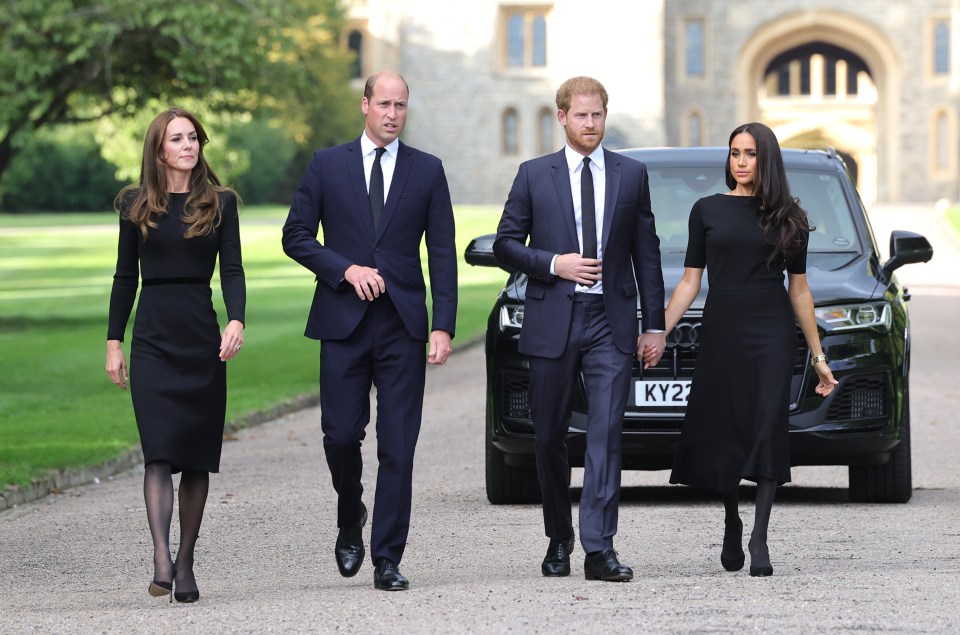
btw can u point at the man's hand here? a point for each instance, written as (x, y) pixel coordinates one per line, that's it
(585, 271)
(439, 348)
(366, 281)
(650, 348)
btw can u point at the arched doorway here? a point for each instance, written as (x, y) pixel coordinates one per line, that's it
(824, 78)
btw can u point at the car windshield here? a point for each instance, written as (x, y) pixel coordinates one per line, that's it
(674, 190)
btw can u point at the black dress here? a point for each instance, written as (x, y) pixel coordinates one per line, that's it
(736, 423)
(177, 381)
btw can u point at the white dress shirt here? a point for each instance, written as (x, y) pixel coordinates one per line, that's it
(575, 165)
(387, 162)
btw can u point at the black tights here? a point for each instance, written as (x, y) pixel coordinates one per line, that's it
(158, 495)
(759, 554)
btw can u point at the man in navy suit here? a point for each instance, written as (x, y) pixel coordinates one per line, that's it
(375, 199)
(593, 248)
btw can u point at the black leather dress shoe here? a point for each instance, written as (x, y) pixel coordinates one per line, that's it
(556, 564)
(387, 577)
(603, 565)
(349, 547)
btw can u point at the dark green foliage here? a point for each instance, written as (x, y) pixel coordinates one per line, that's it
(59, 171)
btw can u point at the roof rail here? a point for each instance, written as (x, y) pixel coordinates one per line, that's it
(832, 152)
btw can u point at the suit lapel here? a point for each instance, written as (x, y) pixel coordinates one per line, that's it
(561, 179)
(358, 181)
(612, 168)
(401, 171)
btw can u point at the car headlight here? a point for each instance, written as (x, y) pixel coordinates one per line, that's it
(871, 315)
(511, 315)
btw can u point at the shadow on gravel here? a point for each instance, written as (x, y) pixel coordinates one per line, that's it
(671, 494)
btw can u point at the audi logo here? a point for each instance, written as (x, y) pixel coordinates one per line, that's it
(684, 335)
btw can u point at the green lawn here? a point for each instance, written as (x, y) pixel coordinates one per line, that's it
(58, 409)
(953, 215)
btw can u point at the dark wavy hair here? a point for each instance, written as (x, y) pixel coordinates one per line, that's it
(783, 221)
(147, 200)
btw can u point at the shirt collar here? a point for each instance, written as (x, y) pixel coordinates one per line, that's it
(367, 146)
(574, 158)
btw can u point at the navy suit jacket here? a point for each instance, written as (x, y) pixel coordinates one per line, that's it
(332, 196)
(540, 206)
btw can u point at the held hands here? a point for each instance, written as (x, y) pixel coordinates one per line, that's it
(650, 348)
(231, 340)
(439, 348)
(366, 281)
(581, 270)
(116, 364)
(827, 382)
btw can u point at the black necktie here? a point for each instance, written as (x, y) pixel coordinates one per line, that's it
(376, 188)
(588, 212)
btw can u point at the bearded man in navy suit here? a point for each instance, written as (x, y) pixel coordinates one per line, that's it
(374, 200)
(593, 249)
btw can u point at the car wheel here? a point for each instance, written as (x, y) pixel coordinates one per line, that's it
(890, 483)
(509, 484)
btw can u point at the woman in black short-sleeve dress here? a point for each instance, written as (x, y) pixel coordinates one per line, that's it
(174, 225)
(736, 422)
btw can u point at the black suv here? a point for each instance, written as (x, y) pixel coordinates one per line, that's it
(861, 314)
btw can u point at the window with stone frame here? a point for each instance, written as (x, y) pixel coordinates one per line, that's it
(524, 36)
(354, 38)
(694, 136)
(694, 48)
(510, 132)
(942, 150)
(546, 124)
(941, 47)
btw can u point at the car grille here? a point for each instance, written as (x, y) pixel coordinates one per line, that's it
(515, 392)
(681, 355)
(863, 397)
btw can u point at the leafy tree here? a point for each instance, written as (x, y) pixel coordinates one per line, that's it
(60, 170)
(70, 61)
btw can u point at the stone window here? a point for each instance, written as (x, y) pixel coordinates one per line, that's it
(510, 144)
(694, 53)
(355, 45)
(941, 48)
(694, 136)
(942, 158)
(524, 31)
(546, 124)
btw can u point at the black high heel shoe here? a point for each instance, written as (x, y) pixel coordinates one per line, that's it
(187, 596)
(761, 570)
(159, 588)
(733, 535)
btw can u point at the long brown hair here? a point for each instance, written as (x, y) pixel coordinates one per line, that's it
(782, 219)
(147, 200)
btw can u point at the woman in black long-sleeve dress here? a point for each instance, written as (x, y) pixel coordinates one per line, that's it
(174, 224)
(736, 423)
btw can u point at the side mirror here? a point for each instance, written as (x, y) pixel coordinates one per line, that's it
(479, 253)
(906, 248)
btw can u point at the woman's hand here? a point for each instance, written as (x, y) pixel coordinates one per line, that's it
(116, 364)
(231, 340)
(827, 382)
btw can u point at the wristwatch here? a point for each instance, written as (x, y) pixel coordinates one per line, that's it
(818, 358)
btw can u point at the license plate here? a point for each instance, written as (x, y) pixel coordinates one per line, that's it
(661, 393)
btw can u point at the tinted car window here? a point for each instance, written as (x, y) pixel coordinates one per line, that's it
(674, 190)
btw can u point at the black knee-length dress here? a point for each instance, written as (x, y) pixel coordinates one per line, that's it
(177, 381)
(736, 423)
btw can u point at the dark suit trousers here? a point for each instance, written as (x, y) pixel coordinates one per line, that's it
(606, 374)
(380, 352)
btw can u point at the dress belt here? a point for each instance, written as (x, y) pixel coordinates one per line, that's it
(155, 281)
(748, 286)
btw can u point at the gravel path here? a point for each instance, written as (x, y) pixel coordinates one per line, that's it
(80, 561)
